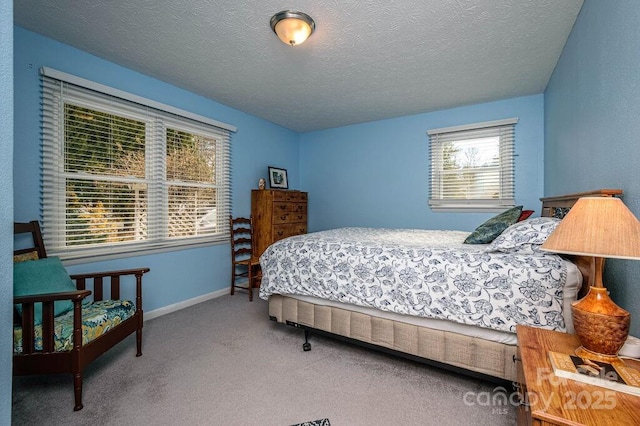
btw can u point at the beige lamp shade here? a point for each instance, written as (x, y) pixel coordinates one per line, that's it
(597, 226)
(291, 27)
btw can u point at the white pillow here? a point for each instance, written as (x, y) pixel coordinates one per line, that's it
(524, 237)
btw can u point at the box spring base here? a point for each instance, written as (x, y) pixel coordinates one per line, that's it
(470, 355)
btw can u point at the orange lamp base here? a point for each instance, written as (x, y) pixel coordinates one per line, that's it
(601, 326)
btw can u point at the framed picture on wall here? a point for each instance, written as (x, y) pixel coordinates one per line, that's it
(278, 178)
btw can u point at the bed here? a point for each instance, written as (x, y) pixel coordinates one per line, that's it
(424, 294)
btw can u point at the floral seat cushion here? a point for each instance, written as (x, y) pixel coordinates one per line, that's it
(97, 319)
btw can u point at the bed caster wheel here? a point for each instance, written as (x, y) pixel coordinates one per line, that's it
(306, 346)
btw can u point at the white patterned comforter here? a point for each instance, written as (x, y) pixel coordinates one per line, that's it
(422, 273)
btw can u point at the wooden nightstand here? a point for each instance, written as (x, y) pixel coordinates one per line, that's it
(551, 400)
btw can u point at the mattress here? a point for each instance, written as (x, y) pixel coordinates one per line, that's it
(426, 277)
(573, 284)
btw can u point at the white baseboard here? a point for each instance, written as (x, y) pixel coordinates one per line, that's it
(184, 304)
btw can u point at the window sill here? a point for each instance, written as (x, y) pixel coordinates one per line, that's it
(470, 209)
(91, 255)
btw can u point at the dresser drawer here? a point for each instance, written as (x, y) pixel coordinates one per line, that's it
(288, 230)
(286, 206)
(281, 217)
(294, 196)
(298, 217)
(298, 207)
(299, 228)
(281, 207)
(288, 217)
(279, 196)
(300, 197)
(280, 232)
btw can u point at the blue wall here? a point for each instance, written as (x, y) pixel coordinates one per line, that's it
(377, 174)
(592, 125)
(175, 276)
(6, 205)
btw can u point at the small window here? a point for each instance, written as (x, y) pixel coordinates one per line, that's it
(472, 167)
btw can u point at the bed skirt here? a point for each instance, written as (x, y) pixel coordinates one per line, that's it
(469, 353)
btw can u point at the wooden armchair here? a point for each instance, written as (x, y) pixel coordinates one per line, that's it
(37, 352)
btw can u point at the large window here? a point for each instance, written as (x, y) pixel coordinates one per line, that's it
(128, 175)
(472, 167)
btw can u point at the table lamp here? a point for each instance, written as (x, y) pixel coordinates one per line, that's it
(600, 227)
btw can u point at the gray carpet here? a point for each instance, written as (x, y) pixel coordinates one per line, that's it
(222, 362)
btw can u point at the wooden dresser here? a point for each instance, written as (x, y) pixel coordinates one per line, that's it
(277, 214)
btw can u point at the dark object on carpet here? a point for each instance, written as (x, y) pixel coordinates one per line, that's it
(323, 422)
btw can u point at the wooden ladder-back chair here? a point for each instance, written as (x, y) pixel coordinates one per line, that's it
(242, 258)
(37, 352)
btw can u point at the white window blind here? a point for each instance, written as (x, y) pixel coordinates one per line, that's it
(472, 166)
(120, 176)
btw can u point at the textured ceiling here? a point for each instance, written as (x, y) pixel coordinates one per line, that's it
(367, 60)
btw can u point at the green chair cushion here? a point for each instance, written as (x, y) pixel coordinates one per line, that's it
(39, 277)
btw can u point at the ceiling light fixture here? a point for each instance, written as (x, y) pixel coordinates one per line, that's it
(291, 27)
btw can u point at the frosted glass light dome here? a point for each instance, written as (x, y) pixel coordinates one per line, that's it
(291, 27)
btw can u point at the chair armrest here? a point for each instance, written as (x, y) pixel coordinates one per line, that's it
(114, 279)
(139, 271)
(51, 297)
